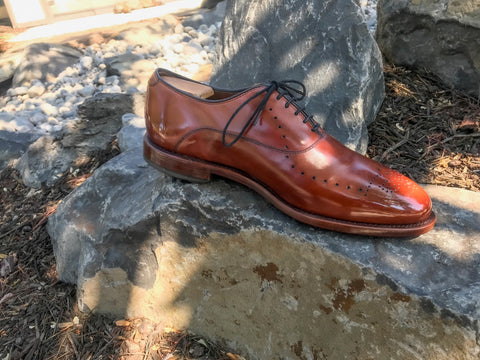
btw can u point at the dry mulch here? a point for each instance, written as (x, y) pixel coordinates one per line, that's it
(427, 131)
(38, 314)
(423, 129)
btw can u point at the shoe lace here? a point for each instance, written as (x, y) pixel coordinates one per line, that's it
(284, 89)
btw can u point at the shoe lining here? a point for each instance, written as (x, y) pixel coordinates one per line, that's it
(195, 89)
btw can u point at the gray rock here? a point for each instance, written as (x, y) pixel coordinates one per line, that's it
(132, 69)
(87, 90)
(13, 145)
(131, 134)
(217, 259)
(46, 160)
(324, 44)
(204, 40)
(118, 64)
(15, 123)
(6, 116)
(107, 107)
(102, 116)
(191, 48)
(8, 63)
(49, 109)
(210, 4)
(44, 62)
(143, 35)
(38, 118)
(86, 62)
(213, 16)
(441, 36)
(132, 166)
(17, 91)
(112, 80)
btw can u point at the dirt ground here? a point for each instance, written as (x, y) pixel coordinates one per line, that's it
(424, 129)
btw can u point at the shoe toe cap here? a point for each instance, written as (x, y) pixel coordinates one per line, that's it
(406, 201)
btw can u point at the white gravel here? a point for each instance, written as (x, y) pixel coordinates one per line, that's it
(47, 107)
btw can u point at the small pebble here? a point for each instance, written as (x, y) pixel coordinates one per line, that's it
(48, 109)
(179, 29)
(86, 62)
(203, 28)
(87, 91)
(18, 91)
(178, 48)
(38, 118)
(36, 90)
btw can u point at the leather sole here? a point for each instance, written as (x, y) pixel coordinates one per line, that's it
(197, 170)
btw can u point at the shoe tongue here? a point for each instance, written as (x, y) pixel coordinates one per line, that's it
(192, 88)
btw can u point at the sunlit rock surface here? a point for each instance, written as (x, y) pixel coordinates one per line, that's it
(217, 259)
(44, 62)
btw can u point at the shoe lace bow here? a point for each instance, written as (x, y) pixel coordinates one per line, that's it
(284, 89)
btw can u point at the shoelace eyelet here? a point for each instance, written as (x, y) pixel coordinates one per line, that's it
(284, 90)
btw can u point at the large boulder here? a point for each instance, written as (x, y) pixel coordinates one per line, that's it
(442, 36)
(219, 260)
(324, 44)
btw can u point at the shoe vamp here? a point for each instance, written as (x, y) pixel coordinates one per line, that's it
(324, 178)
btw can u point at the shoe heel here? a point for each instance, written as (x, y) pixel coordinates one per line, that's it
(174, 165)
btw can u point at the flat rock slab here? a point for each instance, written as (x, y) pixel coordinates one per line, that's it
(13, 145)
(44, 62)
(219, 260)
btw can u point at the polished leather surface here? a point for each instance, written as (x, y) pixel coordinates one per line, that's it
(309, 170)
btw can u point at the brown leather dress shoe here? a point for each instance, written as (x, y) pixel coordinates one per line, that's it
(261, 137)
